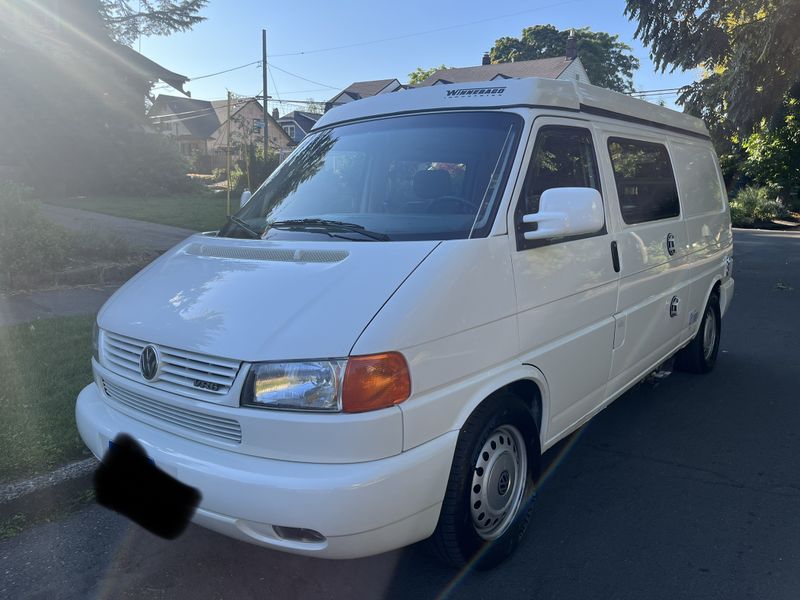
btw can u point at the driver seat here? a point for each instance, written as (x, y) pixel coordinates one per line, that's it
(433, 183)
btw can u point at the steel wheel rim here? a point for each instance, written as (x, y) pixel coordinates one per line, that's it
(498, 482)
(709, 334)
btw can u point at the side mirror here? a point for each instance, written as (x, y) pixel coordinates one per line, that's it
(245, 198)
(565, 212)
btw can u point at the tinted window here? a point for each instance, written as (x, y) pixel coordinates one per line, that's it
(645, 181)
(562, 157)
(699, 181)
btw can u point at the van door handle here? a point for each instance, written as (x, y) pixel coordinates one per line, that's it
(615, 256)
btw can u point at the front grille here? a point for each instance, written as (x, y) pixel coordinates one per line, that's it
(182, 372)
(221, 428)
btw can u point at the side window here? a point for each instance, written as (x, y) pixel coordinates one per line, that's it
(562, 157)
(645, 181)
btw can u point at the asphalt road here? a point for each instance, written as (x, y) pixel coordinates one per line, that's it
(690, 489)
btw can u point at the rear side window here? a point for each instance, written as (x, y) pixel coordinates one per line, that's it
(699, 180)
(645, 181)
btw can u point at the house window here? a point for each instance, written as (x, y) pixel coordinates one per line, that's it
(289, 129)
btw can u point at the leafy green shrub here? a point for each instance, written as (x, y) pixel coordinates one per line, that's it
(754, 205)
(141, 164)
(30, 243)
(120, 162)
(259, 169)
(202, 163)
(219, 175)
(238, 180)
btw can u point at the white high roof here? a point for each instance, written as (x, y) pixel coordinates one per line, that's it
(534, 91)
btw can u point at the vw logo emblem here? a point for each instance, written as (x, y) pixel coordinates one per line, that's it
(150, 363)
(503, 483)
(670, 244)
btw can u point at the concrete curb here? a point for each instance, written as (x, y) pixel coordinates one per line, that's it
(17, 489)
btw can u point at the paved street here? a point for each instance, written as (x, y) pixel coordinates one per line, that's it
(690, 489)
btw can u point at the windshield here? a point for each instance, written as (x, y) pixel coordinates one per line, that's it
(417, 177)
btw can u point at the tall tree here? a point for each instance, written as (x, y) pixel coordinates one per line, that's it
(608, 62)
(126, 20)
(94, 141)
(749, 50)
(773, 154)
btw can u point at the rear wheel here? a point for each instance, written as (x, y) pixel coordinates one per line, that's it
(700, 355)
(488, 503)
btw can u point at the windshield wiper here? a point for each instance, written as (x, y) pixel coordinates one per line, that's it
(244, 226)
(325, 225)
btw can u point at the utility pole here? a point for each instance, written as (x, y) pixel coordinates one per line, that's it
(266, 95)
(228, 146)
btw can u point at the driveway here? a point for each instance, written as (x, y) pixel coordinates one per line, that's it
(689, 489)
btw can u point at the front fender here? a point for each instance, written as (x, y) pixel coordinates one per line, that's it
(447, 408)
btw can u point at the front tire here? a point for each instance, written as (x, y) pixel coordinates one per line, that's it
(700, 355)
(488, 503)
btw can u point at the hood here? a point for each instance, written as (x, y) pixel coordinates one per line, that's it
(256, 300)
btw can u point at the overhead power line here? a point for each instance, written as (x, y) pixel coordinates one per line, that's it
(662, 92)
(428, 31)
(381, 40)
(250, 64)
(333, 87)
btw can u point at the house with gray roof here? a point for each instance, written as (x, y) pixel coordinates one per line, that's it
(298, 123)
(560, 67)
(363, 89)
(201, 126)
(568, 67)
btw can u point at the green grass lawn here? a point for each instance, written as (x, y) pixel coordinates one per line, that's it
(43, 366)
(200, 212)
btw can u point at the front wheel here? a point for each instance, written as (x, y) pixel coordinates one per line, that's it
(488, 502)
(700, 355)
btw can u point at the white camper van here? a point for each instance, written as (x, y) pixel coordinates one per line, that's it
(437, 286)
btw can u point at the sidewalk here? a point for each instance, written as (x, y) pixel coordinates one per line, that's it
(29, 306)
(137, 233)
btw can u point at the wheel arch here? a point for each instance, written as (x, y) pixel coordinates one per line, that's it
(714, 286)
(527, 383)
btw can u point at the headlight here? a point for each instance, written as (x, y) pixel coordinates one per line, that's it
(301, 385)
(357, 384)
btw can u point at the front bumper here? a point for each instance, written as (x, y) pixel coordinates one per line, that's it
(361, 508)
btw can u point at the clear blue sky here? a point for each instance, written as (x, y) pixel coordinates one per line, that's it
(231, 36)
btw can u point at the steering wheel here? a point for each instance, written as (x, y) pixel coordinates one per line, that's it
(471, 207)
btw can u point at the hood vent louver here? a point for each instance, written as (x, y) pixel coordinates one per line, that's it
(267, 254)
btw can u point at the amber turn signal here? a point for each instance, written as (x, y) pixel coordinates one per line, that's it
(375, 381)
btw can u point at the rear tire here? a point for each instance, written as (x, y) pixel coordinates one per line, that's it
(700, 355)
(489, 498)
